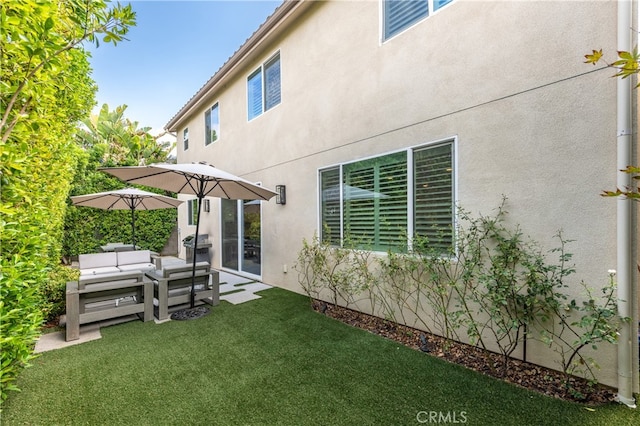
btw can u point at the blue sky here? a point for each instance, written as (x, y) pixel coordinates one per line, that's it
(172, 51)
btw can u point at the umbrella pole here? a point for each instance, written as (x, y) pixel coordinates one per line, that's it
(133, 227)
(195, 251)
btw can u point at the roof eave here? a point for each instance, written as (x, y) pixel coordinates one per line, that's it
(268, 30)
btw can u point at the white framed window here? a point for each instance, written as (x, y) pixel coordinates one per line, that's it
(212, 124)
(185, 138)
(263, 87)
(192, 212)
(399, 15)
(377, 203)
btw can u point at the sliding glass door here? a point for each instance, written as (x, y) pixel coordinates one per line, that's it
(241, 236)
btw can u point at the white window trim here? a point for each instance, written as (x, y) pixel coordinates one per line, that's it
(185, 131)
(261, 69)
(410, 216)
(216, 103)
(191, 212)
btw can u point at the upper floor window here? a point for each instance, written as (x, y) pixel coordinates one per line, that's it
(378, 202)
(263, 87)
(401, 14)
(212, 124)
(185, 138)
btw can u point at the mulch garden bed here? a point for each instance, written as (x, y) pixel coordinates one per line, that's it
(530, 376)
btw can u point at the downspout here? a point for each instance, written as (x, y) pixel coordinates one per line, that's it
(624, 214)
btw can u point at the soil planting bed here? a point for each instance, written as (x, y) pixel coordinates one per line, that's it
(530, 376)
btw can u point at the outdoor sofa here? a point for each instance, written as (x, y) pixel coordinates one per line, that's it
(104, 296)
(111, 262)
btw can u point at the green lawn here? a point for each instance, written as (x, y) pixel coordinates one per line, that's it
(271, 361)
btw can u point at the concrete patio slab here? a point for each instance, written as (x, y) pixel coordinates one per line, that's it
(236, 289)
(88, 332)
(239, 297)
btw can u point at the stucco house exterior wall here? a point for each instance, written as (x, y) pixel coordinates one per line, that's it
(503, 82)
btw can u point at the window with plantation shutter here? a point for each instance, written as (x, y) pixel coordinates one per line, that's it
(375, 201)
(263, 87)
(437, 4)
(272, 83)
(400, 14)
(330, 201)
(254, 94)
(367, 202)
(433, 195)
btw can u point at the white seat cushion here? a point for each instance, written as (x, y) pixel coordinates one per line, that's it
(95, 271)
(97, 260)
(133, 257)
(136, 267)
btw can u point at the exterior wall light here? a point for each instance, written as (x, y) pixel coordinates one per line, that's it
(281, 194)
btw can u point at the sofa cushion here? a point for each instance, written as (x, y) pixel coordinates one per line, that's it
(133, 257)
(137, 267)
(95, 271)
(116, 276)
(97, 260)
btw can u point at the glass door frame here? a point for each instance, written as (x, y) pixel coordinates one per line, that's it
(239, 247)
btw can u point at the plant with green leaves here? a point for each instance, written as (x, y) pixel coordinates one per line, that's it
(310, 264)
(443, 271)
(398, 271)
(512, 288)
(44, 91)
(409, 283)
(626, 65)
(343, 271)
(114, 140)
(53, 291)
(110, 139)
(337, 274)
(575, 326)
(495, 282)
(632, 192)
(39, 40)
(366, 279)
(348, 270)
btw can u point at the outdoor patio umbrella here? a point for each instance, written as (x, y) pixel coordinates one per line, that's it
(126, 199)
(199, 179)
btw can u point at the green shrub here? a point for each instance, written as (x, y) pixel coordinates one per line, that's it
(53, 291)
(46, 90)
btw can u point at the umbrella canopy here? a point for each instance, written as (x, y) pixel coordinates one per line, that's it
(199, 179)
(126, 199)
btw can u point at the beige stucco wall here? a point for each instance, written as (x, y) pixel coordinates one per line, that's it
(506, 80)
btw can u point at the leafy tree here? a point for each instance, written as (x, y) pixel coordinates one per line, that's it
(114, 140)
(44, 91)
(627, 65)
(108, 139)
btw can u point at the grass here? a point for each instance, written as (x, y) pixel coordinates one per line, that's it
(271, 361)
